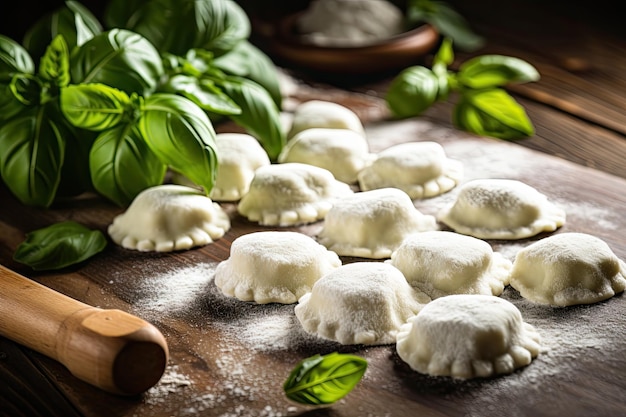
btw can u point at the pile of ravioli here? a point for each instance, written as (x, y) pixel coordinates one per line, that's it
(428, 284)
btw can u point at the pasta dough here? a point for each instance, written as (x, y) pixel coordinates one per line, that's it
(372, 224)
(273, 267)
(290, 194)
(341, 151)
(240, 155)
(467, 336)
(501, 209)
(441, 263)
(359, 303)
(169, 217)
(320, 113)
(421, 169)
(567, 269)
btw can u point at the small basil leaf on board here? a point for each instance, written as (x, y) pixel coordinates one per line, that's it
(94, 106)
(181, 135)
(324, 379)
(494, 113)
(59, 245)
(414, 90)
(260, 116)
(122, 165)
(488, 71)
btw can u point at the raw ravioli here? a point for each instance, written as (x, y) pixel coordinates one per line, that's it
(273, 267)
(501, 209)
(320, 113)
(441, 263)
(567, 269)
(372, 224)
(341, 151)
(291, 194)
(169, 217)
(467, 336)
(421, 169)
(359, 303)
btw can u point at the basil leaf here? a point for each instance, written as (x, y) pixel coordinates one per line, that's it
(181, 135)
(33, 151)
(246, 60)
(488, 71)
(122, 165)
(94, 106)
(324, 379)
(220, 25)
(414, 90)
(260, 116)
(59, 245)
(22, 92)
(120, 59)
(72, 20)
(13, 59)
(75, 176)
(55, 63)
(203, 92)
(492, 113)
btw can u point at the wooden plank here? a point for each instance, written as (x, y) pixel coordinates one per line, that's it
(231, 357)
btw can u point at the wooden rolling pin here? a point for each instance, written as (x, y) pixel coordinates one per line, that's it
(110, 349)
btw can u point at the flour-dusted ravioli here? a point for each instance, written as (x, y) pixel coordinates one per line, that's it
(421, 169)
(359, 303)
(240, 155)
(290, 194)
(372, 224)
(467, 336)
(441, 263)
(501, 209)
(341, 151)
(169, 217)
(273, 267)
(320, 113)
(567, 269)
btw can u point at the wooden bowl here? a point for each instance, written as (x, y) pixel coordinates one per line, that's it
(396, 52)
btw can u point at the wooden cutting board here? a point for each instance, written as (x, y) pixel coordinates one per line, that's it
(230, 358)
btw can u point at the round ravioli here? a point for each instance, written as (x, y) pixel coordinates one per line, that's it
(568, 269)
(359, 303)
(421, 169)
(273, 267)
(341, 151)
(501, 209)
(441, 263)
(372, 224)
(467, 336)
(291, 194)
(169, 217)
(326, 114)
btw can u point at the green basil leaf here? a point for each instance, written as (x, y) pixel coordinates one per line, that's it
(33, 151)
(492, 113)
(59, 245)
(55, 63)
(122, 165)
(22, 92)
(246, 60)
(95, 106)
(203, 92)
(324, 379)
(486, 71)
(414, 90)
(220, 25)
(13, 59)
(120, 59)
(75, 176)
(181, 136)
(260, 116)
(121, 13)
(72, 20)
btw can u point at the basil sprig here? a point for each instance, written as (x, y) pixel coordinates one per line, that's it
(59, 245)
(324, 379)
(484, 106)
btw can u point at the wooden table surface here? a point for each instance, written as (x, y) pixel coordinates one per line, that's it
(230, 358)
